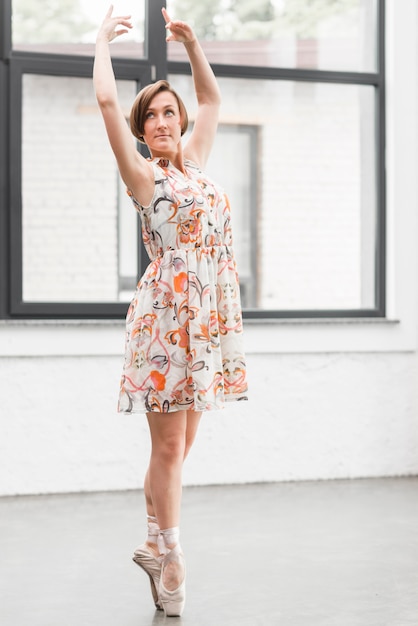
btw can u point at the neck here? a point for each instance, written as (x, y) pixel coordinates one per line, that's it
(176, 158)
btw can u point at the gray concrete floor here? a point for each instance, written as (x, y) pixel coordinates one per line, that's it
(335, 553)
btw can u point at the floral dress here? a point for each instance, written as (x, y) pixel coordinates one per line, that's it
(184, 324)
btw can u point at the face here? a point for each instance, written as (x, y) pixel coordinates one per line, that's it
(162, 128)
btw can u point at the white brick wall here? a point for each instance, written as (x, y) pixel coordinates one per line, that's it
(309, 417)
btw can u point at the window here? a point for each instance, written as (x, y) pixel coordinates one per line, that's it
(300, 152)
(310, 225)
(70, 26)
(233, 163)
(336, 35)
(63, 208)
(317, 173)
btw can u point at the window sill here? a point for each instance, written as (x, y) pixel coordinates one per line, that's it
(298, 321)
(31, 338)
(301, 321)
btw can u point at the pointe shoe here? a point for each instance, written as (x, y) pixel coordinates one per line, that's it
(152, 566)
(173, 601)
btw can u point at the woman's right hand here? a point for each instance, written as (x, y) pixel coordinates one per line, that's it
(108, 28)
(179, 31)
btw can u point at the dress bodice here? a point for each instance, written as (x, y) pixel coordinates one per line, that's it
(187, 211)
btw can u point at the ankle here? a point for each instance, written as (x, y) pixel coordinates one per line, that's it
(171, 537)
(154, 539)
(153, 529)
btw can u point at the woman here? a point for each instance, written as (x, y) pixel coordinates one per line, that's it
(184, 328)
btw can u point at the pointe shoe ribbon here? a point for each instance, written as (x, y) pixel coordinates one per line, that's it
(173, 601)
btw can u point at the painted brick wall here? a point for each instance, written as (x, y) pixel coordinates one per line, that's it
(310, 417)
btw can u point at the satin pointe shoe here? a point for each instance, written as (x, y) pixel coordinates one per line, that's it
(173, 601)
(152, 566)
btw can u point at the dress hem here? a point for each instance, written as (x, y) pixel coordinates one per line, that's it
(143, 411)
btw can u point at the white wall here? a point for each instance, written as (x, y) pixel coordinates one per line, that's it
(310, 416)
(328, 399)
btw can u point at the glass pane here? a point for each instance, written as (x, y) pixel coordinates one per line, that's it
(319, 34)
(313, 218)
(70, 26)
(73, 203)
(234, 151)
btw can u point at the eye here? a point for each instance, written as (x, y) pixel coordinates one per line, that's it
(169, 112)
(149, 115)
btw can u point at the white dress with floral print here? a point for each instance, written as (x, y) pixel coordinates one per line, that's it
(184, 325)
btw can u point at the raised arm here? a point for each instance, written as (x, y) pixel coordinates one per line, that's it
(207, 92)
(134, 169)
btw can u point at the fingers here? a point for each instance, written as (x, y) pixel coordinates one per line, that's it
(123, 31)
(110, 24)
(169, 22)
(165, 15)
(180, 31)
(125, 20)
(177, 26)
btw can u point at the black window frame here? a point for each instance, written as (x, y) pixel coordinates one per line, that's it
(14, 64)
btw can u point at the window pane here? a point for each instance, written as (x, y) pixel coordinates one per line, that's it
(70, 26)
(235, 151)
(324, 34)
(73, 203)
(314, 215)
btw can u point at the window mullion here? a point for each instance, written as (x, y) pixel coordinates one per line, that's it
(4, 169)
(15, 184)
(380, 280)
(5, 28)
(5, 47)
(280, 73)
(155, 43)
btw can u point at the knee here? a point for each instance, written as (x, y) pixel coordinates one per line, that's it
(170, 451)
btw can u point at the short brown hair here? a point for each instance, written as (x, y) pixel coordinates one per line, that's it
(142, 103)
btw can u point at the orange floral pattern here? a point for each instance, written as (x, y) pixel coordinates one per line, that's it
(184, 324)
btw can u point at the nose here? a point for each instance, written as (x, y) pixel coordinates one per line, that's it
(161, 121)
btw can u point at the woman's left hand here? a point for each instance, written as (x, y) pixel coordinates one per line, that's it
(180, 31)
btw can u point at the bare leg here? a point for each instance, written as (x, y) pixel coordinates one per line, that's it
(148, 499)
(168, 437)
(193, 419)
(172, 436)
